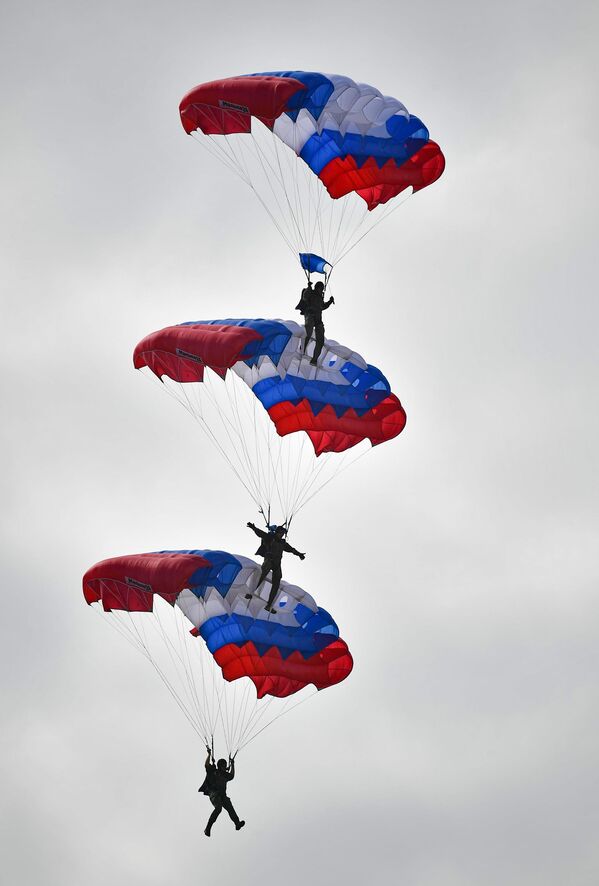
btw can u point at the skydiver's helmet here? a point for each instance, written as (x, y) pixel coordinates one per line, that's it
(319, 286)
(222, 764)
(280, 531)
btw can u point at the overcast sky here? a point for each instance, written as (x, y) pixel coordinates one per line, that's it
(461, 561)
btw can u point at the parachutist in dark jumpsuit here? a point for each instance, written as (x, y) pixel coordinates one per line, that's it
(272, 548)
(215, 785)
(311, 305)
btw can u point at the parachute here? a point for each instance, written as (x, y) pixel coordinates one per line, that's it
(312, 416)
(154, 599)
(322, 153)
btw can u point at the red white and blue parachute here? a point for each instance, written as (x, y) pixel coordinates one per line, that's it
(280, 653)
(351, 139)
(339, 404)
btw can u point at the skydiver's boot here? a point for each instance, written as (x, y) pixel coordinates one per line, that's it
(239, 825)
(207, 831)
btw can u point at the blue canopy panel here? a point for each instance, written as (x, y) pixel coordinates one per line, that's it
(318, 633)
(368, 387)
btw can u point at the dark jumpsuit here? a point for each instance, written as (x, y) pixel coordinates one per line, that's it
(215, 785)
(312, 304)
(272, 549)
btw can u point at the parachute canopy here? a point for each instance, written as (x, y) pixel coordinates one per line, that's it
(338, 403)
(281, 653)
(349, 134)
(312, 146)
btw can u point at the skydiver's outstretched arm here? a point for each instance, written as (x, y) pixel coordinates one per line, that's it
(208, 758)
(287, 547)
(327, 304)
(259, 532)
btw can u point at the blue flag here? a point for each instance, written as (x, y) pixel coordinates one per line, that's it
(314, 264)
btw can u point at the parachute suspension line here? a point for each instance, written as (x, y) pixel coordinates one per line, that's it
(278, 177)
(313, 486)
(219, 153)
(295, 166)
(118, 629)
(267, 432)
(159, 629)
(257, 715)
(352, 232)
(245, 718)
(336, 228)
(287, 156)
(320, 216)
(187, 677)
(276, 467)
(186, 700)
(163, 677)
(358, 212)
(236, 430)
(241, 719)
(282, 713)
(288, 192)
(231, 160)
(266, 472)
(392, 207)
(272, 470)
(257, 457)
(262, 432)
(184, 642)
(219, 714)
(196, 414)
(257, 454)
(338, 471)
(262, 159)
(233, 165)
(242, 713)
(290, 504)
(253, 472)
(225, 723)
(205, 700)
(311, 479)
(255, 494)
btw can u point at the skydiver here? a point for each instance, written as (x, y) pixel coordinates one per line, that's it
(272, 547)
(215, 786)
(311, 305)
